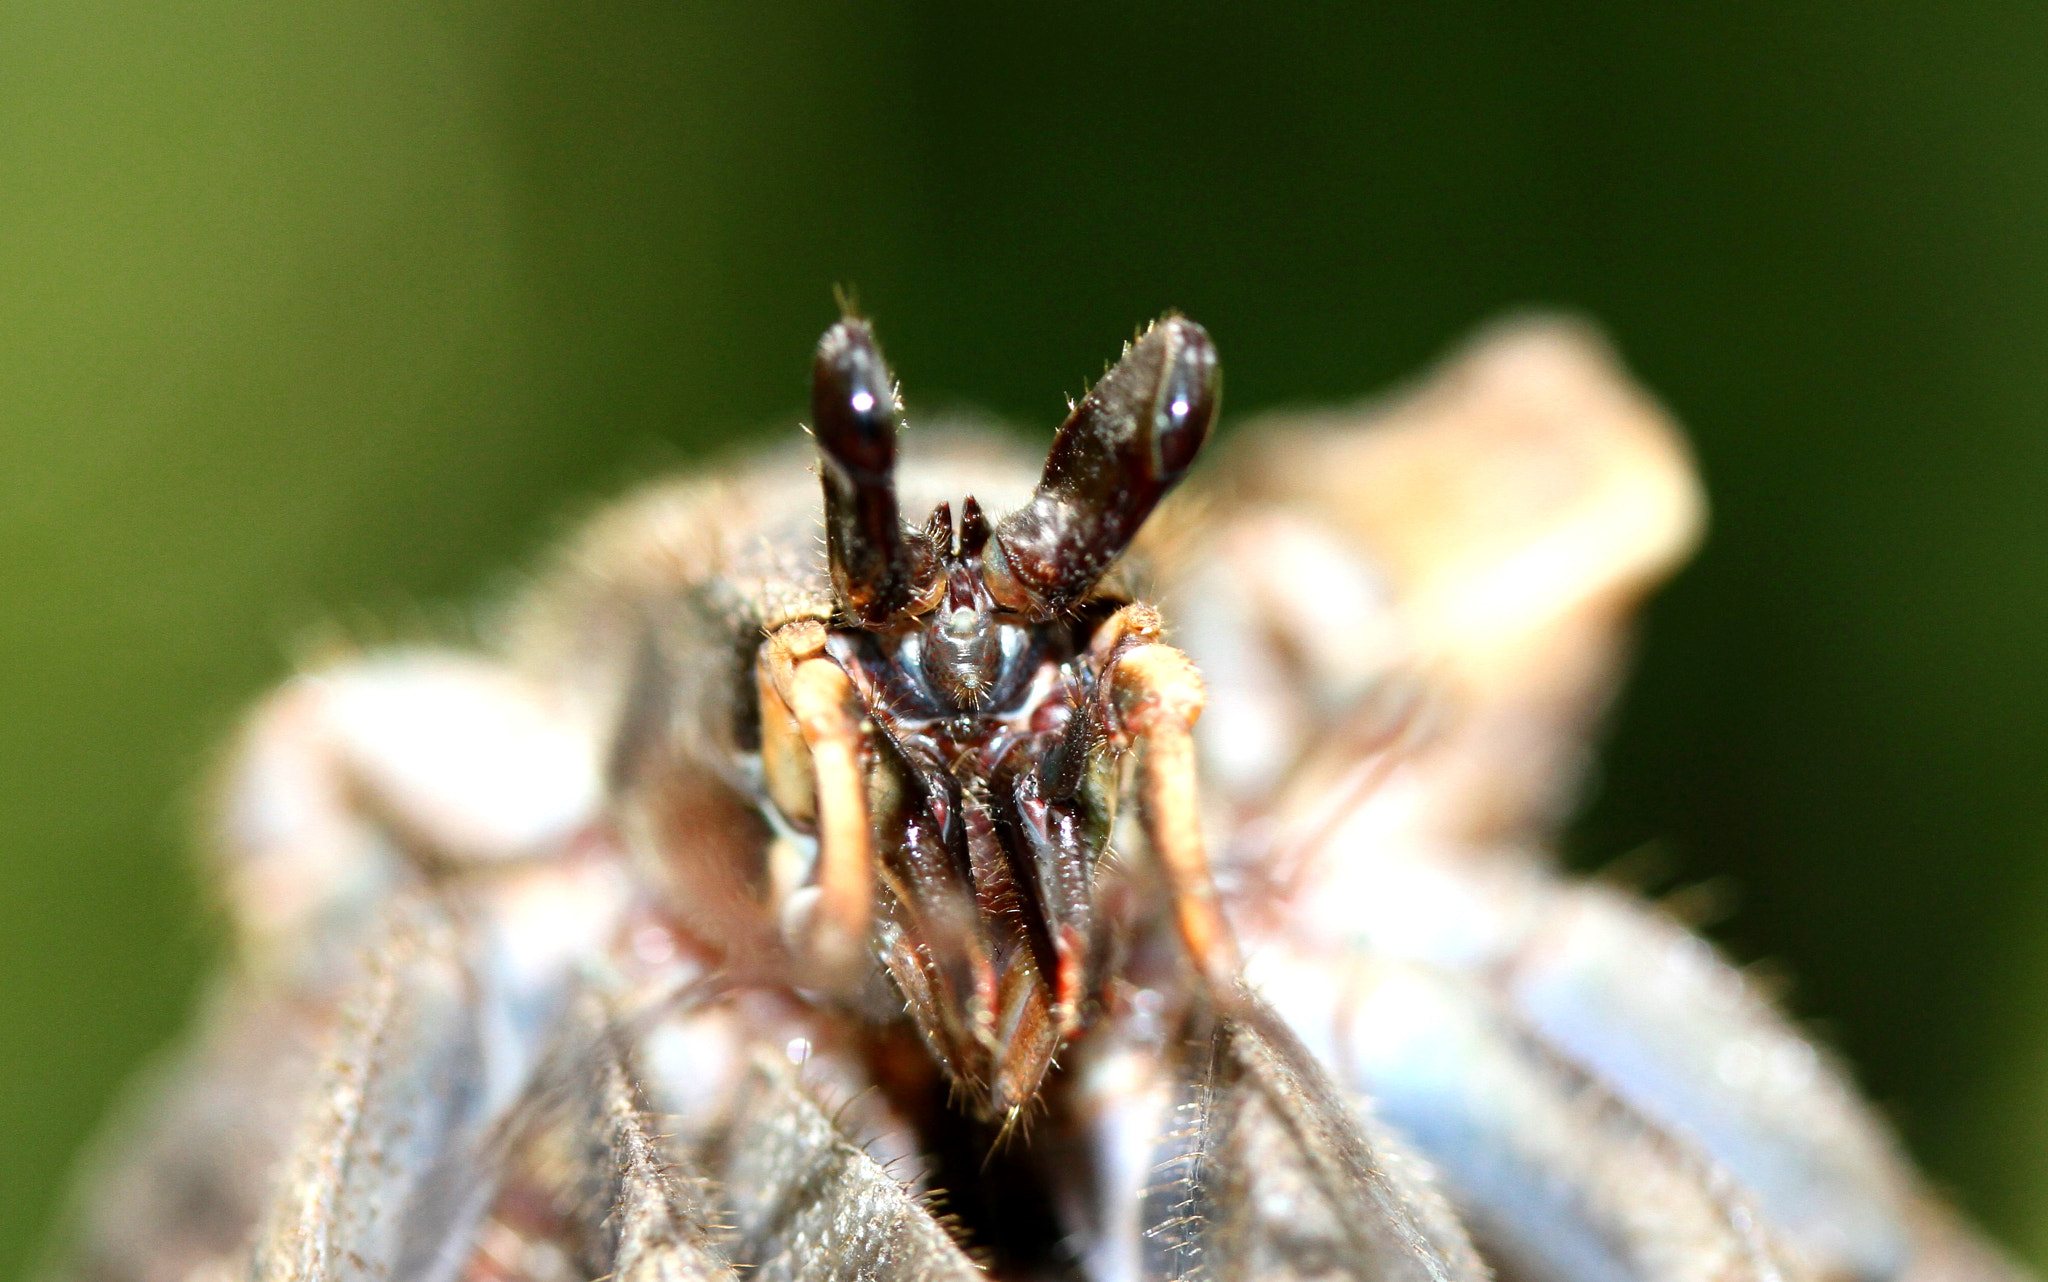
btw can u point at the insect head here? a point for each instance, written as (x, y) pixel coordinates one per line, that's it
(990, 684)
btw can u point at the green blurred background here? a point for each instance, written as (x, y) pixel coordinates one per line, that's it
(329, 312)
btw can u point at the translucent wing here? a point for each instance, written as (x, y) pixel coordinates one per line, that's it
(807, 1204)
(1556, 1176)
(1275, 1175)
(592, 1182)
(1222, 1150)
(394, 1164)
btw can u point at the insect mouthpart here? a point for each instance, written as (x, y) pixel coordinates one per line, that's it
(966, 656)
(973, 693)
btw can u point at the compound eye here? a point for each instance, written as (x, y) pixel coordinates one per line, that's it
(853, 402)
(1128, 442)
(882, 570)
(1186, 408)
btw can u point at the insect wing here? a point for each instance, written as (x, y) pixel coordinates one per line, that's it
(1674, 1029)
(1494, 528)
(1274, 1175)
(807, 1205)
(1559, 1180)
(396, 1161)
(182, 1173)
(1223, 1151)
(592, 1180)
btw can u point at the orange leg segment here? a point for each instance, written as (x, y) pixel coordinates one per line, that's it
(812, 743)
(1156, 696)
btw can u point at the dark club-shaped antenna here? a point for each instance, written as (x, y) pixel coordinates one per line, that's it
(881, 568)
(1127, 443)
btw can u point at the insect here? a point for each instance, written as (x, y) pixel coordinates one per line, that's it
(1103, 878)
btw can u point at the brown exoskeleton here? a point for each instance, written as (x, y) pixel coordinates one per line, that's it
(900, 903)
(972, 685)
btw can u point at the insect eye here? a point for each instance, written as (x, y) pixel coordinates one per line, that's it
(853, 402)
(1127, 443)
(1187, 405)
(881, 568)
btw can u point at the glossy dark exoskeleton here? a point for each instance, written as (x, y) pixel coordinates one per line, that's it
(988, 683)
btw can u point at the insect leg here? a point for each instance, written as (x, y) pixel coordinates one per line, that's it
(1154, 697)
(811, 746)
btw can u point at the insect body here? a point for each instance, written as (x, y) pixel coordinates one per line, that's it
(1079, 892)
